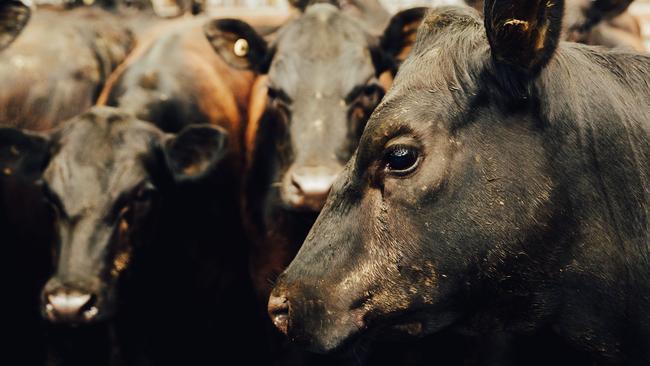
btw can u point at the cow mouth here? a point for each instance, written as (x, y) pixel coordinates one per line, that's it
(358, 343)
(397, 326)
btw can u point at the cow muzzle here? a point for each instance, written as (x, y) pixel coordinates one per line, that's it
(308, 187)
(71, 305)
(309, 322)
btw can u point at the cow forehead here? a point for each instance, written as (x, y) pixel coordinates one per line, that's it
(98, 160)
(323, 49)
(319, 35)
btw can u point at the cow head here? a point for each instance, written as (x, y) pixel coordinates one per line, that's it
(104, 173)
(434, 207)
(322, 71)
(14, 15)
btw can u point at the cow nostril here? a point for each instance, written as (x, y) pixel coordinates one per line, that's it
(279, 313)
(90, 310)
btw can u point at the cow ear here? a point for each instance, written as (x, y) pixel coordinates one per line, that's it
(238, 44)
(299, 4)
(607, 9)
(581, 17)
(523, 34)
(398, 39)
(23, 154)
(14, 15)
(195, 152)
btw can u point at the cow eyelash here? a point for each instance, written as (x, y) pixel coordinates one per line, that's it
(143, 193)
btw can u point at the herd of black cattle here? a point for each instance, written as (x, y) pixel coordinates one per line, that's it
(201, 191)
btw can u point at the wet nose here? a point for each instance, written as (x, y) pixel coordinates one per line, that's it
(70, 306)
(279, 312)
(312, 185)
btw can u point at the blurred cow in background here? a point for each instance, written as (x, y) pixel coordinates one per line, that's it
(162, 8)
(53, 70)
(122, 194)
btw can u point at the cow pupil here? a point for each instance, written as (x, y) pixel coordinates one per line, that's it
(401, 158)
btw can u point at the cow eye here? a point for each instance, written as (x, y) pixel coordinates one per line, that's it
(52, 200)
(145, 193)
(401, 159)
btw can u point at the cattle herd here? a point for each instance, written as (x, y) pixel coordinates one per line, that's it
(448, 185)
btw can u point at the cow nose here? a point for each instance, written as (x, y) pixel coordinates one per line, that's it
(70, 306)
(312, 185)
(279, 312)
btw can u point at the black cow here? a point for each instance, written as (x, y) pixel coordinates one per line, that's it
(500, 187)
(319, 81)
(128, 202)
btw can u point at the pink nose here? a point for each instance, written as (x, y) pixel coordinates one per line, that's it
(311, 186)
(70, 306)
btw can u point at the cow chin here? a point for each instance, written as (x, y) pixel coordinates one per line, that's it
(325, 331)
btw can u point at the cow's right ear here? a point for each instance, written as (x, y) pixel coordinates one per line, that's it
(14, 15)
(238, 44)
(523, 35)
(23, 154)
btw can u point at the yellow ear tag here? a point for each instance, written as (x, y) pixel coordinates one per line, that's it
(241, 47)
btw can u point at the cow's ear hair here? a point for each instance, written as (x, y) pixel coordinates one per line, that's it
(195, 152)
(398, 39)
(14, 15)
(238, 44)
(23, 154)
(523, 35)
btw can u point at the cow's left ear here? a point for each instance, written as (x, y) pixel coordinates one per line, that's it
(523, 34)
(14, 15)
(23, 154)
(195, 152)
(398, 39)
(238, 44)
